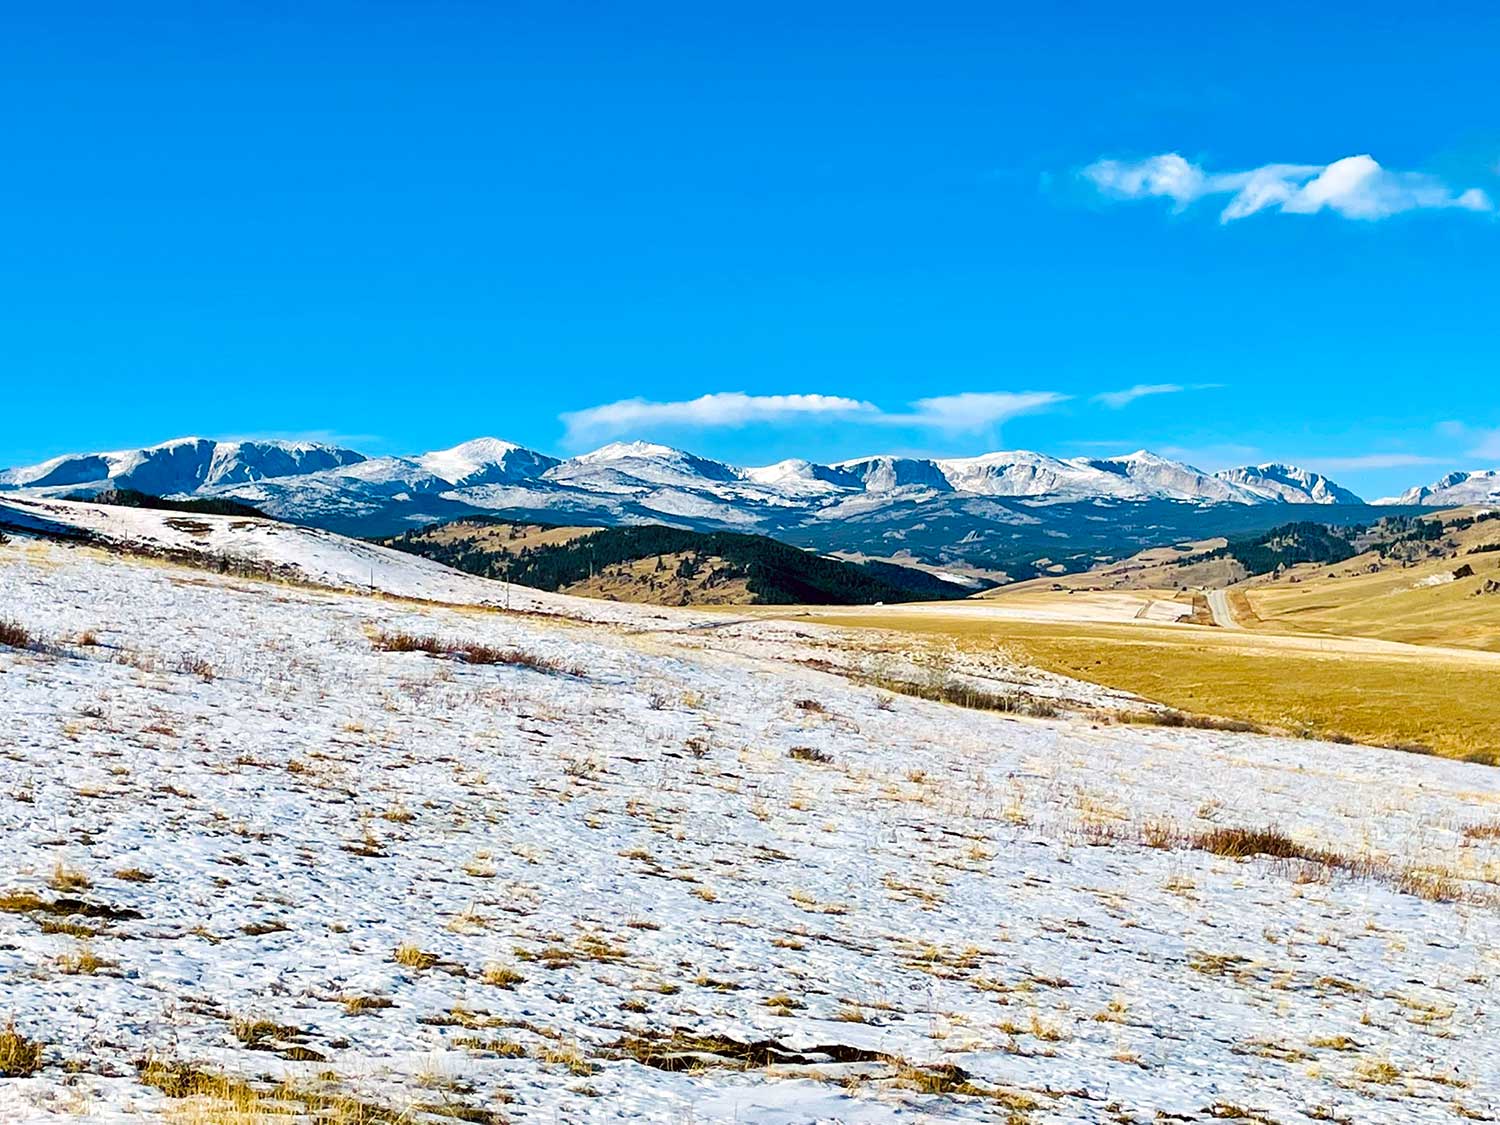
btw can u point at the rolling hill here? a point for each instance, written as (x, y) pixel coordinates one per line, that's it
(667, 566)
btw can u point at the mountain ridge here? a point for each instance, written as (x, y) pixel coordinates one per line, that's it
(1003, 513)
(195, 464)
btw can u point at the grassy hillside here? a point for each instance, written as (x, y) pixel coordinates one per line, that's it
(1439, 588)
(652, 563)
(1439, 701)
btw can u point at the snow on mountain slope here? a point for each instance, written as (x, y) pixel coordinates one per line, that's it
(1135, 476)
(486, 461)
(297, 553)
(1144, 474)
(181, 466)
(1288, 483)
(644, 464)
(1481, 486)
(889, 474)
(633, 482)
(670, 890)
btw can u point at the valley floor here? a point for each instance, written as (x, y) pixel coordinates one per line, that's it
(656, 872)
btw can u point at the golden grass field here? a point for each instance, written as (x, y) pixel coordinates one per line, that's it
(1393, 604)
(1444, 700)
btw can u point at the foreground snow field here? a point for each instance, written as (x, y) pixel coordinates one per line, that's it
(668, 874)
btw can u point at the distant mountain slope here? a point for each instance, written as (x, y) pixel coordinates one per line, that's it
(184, 465)
(665, 565)
(1289, 483)
(1480, 486)
(1009, 513)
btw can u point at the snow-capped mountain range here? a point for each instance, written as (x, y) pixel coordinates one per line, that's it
(880, 505)
(1481, 486)
(288, 477)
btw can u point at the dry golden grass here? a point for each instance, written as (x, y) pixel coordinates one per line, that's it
(19, 1056)
(1438, 701)
(472, 653)
(203, 1097)
(413, 957)
(65, 880)
(1395, 603)
(501, 976)
(83, 962)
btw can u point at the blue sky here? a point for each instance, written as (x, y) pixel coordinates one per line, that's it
(405, 224)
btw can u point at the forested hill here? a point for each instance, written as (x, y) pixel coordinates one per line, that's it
(653, 563)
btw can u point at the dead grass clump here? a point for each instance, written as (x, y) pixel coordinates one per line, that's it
(25, 902)
(85, 962)
(408, 642)
(501, 976)
(568, 1055)
(356, 1005)
(227, 1100)
(197, 666)
(261, 1034)
(1172, 718)
(72, 929)
(134, 875)
(19, 1056)
(1242, 843)
(472, 653)
(413, 956)
(1482, 831)
(961, 694)
(1432, 886)
(15, 635)
(64, 879)
(809, 754)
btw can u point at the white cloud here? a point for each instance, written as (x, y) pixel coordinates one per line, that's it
(1356, 187)
(723, 409)
(970, 412)
(1116, 399)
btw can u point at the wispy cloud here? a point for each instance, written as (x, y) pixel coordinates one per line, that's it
(1356, 187)
(1117, 399)
(720, 410)
(1480, 442)
(969, 412)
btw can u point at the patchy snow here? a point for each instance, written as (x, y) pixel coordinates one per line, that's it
(305, 554)
(924, 913)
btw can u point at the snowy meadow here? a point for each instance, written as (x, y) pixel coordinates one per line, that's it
(275, 852)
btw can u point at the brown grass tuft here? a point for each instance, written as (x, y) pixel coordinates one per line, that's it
(19, 1056)
(472, 653)
(14, 634)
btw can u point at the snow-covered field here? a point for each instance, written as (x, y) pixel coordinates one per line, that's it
(691, 878)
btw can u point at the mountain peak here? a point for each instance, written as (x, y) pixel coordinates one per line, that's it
(632, 450)
(1472, 486)
(1280, 482)
(485, 460)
